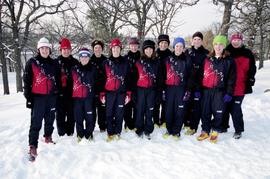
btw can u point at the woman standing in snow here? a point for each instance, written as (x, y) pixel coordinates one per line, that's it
(41, 85)
(177, 73)
(245, 79)
(117, 90)
(148, 78)
(84, 78)
(218, 77)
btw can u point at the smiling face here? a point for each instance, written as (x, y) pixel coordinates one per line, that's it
(84, 60)
(148, 52)
(197, 42)
(65, 52)
(163, 45)
(236, 43)
(116, 51)
(218, 48)
(97, 50)
(44, 51)
(178, 49)
(133, 47)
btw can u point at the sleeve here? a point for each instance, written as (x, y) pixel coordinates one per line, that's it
(58, 77)
(190, 75)
(231, 78)
(27, 80)
(160, 77)
(128, 77)
(199, 77)
(252, 68)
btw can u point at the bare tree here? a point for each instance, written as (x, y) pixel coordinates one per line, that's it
(21, 16)
(165, 11)
(226, 20)
(254, 20)
(2, 56)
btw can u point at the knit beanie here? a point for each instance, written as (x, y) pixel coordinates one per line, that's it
(65, 43)
(43, 42)
(163, 37)
(198, 34)
(115, 42)
(84, 52)
(236, 35)
(133, 40)
(220, 39)
(97, 42)
(178, 40)
(149, 43)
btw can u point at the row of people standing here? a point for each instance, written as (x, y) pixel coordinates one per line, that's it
(188, 85)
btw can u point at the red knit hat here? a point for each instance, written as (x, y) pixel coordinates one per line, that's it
(65, 44)
(116, 42)
(236, 35)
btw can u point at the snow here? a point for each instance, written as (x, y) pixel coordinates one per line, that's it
(132, 157)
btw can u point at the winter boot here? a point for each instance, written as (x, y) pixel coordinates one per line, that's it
(166, 135)
(213, 137)
(202, 136)
(176, 137)
(49, 140)
(110, 138)
(147, 136)
(190, 131)
(32, 154)
(237, 135)
(79, 139)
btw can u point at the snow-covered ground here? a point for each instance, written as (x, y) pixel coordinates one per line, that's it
(132, 157)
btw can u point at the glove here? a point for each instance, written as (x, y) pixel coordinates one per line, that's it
(197, 94)
(102, 97)
(29, 103)
(128, 97)
(163, 96)
(186, 96)
(227, 98)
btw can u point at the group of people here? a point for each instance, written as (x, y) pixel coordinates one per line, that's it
(147, 89)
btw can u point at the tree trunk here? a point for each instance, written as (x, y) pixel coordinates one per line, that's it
(17, 58)
(226, 18)
(2, 57)
(261, 47)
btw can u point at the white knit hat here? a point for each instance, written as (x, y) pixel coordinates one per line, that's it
(44, 42)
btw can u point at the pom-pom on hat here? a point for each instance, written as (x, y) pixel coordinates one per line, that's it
(178, 40)
(220, 39)
(84, 52)
(43, 42)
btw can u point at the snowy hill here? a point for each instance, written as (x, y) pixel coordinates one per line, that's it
(132, 157)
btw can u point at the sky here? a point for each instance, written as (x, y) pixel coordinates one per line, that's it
(198, 17)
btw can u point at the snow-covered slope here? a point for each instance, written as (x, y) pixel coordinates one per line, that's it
(132, 157)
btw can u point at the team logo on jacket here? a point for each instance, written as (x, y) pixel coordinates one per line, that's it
(113, 80)
(211, 76)
(42, 82)
(146, 74)
(80, 89)
(173, 75)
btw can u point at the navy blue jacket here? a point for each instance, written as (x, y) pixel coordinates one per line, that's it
(41, 76)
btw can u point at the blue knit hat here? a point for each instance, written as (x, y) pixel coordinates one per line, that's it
(178, 40)
(84, 52)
